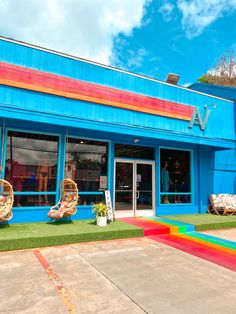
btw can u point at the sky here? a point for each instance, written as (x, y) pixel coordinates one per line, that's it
(148, 37)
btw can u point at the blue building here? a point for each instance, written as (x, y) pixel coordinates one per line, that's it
(159, 148)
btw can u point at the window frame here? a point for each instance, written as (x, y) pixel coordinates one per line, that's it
(108, 162)
(56, 192)
(191, 152)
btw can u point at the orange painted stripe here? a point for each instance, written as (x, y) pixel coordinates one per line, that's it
(90, 99)
(96, 91)
(54, 277)
(44, 82)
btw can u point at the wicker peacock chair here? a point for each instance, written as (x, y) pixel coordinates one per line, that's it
(6, 200)
(66, 205)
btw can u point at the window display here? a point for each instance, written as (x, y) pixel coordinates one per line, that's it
(86, 163)
(175, 176)
(31, 166)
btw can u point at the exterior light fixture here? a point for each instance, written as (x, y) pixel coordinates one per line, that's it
(172, 78)
(81, 142)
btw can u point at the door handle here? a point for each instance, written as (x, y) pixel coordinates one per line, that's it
(137, 194)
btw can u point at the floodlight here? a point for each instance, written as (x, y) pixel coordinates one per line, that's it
(172, 78)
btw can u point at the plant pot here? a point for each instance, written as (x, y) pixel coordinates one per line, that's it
(101, 221)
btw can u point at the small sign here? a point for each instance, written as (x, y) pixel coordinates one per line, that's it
(103, 182)
(110, 212)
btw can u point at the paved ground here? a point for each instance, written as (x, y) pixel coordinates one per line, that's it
(121, 276)
(227, 234)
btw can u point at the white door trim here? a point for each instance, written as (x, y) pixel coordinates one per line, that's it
(133, 212)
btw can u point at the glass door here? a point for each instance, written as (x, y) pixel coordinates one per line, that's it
(144, 189)
(134, 188)
(124, 191)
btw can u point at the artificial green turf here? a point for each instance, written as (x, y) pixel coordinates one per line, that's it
(32, 235)
(206, 221)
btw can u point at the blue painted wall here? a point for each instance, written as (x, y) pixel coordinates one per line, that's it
(225, 172)
(33, 106)
(39, 214)
(45, 61)
(224, 165)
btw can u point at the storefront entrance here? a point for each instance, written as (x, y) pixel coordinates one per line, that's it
(134, 188)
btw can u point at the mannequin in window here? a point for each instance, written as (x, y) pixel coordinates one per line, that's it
(165, 181)
(177, 180)
(43, 175)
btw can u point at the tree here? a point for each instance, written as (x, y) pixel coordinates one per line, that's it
(223, 73)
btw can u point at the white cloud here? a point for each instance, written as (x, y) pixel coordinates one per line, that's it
(84, 28)
(198, 14)
(166, 10)
(136, 58)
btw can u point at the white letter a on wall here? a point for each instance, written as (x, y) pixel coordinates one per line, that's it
(197, 118)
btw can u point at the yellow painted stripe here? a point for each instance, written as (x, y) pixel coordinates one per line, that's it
(216, 246)
(90, 99)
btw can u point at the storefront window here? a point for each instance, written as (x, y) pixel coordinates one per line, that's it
(86, 164)
(175, 177)
(31, 166)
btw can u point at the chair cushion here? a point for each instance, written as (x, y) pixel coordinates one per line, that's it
(223, 201)
(217, 201)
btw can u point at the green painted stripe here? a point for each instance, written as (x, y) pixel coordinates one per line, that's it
(181, 228)
(213, 240)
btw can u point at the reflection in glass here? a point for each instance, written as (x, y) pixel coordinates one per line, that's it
(124, 200)
(132, 151)
(31, 163)
(171, 198)
(124, 186)
(144, 186)
(175, 176)
(33, 200)
(86, 163)
(86, 199)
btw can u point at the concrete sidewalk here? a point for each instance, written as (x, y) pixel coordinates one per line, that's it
(121, 276)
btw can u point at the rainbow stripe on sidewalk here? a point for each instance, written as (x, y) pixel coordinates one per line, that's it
(182, 236)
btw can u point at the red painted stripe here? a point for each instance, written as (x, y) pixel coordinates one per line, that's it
(77, 87)
(116, 96)
(58, 284)
(72, 85)
(149, 227)
(206, 252)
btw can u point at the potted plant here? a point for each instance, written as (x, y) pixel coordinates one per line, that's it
(100, 210)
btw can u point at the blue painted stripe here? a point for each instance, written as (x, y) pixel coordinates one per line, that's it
(35, 193)
(216, 240)
(35, 208)
(91, 193)
(176, 193)
(173, 222)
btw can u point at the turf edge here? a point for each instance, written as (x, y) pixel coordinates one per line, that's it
(35, 242)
